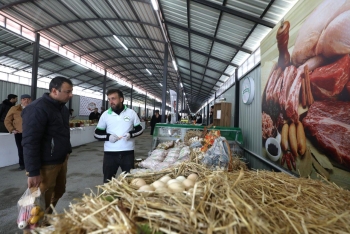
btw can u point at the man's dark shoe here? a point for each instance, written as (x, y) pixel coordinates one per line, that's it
(21, 168)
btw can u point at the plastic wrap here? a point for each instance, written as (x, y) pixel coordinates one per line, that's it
(158, 154)
(185, 152)
(166, 145)
(31, 209)
(196, 144)
(163, 165)
(149, 163)
(173, 155)
(217, 155)
(140, 170)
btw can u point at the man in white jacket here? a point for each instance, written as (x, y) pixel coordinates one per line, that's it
(118, 126)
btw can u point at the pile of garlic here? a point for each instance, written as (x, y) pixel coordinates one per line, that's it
(195, 139)
(166, 184)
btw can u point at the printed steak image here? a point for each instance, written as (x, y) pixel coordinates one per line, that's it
(330, 80)
(329, 123)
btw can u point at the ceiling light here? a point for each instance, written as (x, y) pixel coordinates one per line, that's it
(160, 84)
(148, 71)
(120, 42)
(181, 85)
(155, 5)
(167, 91)
(174, 63)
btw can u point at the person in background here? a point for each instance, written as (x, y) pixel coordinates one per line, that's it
(199, 119)
(118, 127)
(71, 111)
(46, 140)
(155, 119)
(169, 118)
(4, 108)
(13, 123)
(94, 116)
(211, 115)
(103, 109)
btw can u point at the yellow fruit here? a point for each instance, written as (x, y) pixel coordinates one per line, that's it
(34, 219)
(41, 214)
(35, 210)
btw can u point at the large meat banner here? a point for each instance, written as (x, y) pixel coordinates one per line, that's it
(306, 91)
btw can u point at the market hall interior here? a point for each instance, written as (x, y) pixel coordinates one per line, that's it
(84, 173)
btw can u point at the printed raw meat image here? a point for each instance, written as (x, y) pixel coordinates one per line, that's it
(306, 89)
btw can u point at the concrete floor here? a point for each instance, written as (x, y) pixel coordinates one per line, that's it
(84, 172)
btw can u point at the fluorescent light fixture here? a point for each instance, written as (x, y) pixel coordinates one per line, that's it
(155, 5)
(120, 42)
(181, 85)
(148, 71)
(167, 91)
(160, 84)
(174, 63)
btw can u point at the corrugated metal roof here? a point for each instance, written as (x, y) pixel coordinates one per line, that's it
(203, 19)
(198, 58)
(175, 11)
(211, 40)
(254, 8)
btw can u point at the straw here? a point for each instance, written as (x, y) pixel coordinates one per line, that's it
(241, 201)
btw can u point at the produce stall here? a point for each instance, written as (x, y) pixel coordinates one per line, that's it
(213, 202)
(171, 132)
(197, 196)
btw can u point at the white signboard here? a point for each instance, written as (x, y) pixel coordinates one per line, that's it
(87, 105)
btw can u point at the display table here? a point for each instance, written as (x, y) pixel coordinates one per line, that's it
(8, 148)
(82, 135)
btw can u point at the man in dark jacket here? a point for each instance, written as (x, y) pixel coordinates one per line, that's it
(46, 140)
(4, 108)
(155, 119)
(94, 115)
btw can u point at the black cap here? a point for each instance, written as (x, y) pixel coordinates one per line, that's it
(25, 96)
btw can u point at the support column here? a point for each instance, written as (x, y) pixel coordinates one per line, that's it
(165, 71)
(154, 105)
(237, 90)
(104, 91)
(35, 66)
(177, 99)
(183, 100)
(145, 106)
(208, 118)
(132, 88)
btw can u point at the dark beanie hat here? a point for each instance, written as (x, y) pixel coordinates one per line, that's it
(10, 96)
